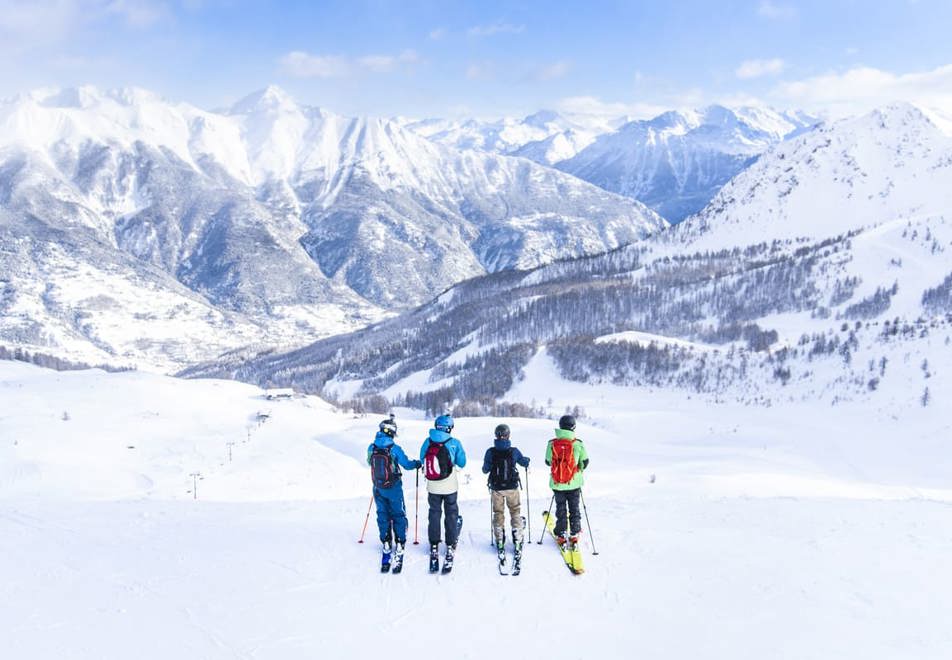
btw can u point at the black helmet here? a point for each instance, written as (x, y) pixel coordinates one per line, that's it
(567, 422)
(502, 431)
(388, 427)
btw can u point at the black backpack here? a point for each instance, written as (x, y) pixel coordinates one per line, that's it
(383, 471)
(502, 470)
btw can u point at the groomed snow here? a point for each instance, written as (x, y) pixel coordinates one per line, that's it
(723, 531)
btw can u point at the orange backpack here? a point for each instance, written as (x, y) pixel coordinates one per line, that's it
(564, 466)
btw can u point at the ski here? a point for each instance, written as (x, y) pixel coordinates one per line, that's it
(517, 562)
(517, 556)
(451, 550)
(434, 558)
(501, 556)
(397, 560)
(576, 554)
(448, 561)
(566, 553)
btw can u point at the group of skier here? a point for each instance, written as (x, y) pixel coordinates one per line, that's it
(441, 455)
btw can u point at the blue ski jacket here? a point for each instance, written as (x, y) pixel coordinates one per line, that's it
(453, 446)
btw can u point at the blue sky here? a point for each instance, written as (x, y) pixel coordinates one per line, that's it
(489, 58)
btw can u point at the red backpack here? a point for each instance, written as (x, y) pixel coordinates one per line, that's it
(564, 466)
(436, 462)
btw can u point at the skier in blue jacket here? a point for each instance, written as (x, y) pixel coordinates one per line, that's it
(382, 454)
(441, 454)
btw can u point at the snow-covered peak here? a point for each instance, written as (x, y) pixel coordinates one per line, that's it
(677, 161)
(272, 99)
(891, 165)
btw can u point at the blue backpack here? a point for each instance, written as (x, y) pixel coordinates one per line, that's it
(383, 471)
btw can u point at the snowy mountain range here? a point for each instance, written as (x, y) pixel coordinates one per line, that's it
(134, 229)
(676, 162)
(820, 272)
(546, 137)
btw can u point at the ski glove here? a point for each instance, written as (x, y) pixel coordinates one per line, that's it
(417, 465)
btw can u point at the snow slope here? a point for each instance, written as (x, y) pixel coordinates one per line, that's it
(722, 531)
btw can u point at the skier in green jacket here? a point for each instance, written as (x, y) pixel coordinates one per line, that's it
(567, 458)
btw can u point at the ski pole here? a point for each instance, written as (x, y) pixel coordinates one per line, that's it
(416, 514)
(585, 509)
(528, 507)
(366, 520)
(492, 536)
(547, 513)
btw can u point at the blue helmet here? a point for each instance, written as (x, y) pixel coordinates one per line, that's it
(444, 423)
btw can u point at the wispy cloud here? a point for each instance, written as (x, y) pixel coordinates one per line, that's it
(137, 13)
(437, 33)
(596, 107)
(776, 11)
(552, 71)
(300, 64)
(759, 68)
(480, 71)
(388, 63)
(863, 88)
(495, 28)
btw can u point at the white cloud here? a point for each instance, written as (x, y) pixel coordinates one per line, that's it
(387, 63)
(759, 68)
(552, 71)
(495, 28)
(300, 64)
(437, 33)
(594, 106)
(774, 11)
(303, 65)
(137, 13)
(861, 89)
(480, 71)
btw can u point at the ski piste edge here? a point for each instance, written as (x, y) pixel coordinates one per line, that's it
(567, 555)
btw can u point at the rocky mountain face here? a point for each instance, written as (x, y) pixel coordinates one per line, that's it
(676, 162)
(134, 229)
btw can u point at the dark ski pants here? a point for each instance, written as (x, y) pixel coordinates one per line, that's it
(391, 510)
(443, 504)
(567, 499)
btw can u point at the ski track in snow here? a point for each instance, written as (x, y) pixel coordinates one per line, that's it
(767, 533)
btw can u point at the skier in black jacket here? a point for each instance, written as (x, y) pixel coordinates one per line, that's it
(500, 464)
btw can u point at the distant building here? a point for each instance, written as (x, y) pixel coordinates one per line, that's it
(277, 394)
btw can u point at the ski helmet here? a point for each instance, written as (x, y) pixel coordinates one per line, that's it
(502, 432)
(444, 423)
(567, 423)
(388, 427)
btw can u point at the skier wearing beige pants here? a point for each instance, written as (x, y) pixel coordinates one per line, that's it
(500, 464)
(503, 499)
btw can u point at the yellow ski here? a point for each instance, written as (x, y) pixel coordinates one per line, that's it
(570, 556)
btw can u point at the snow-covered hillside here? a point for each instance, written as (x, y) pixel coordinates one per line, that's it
(784, 519)
(676, 162)
(798, 283)
(269, 221)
